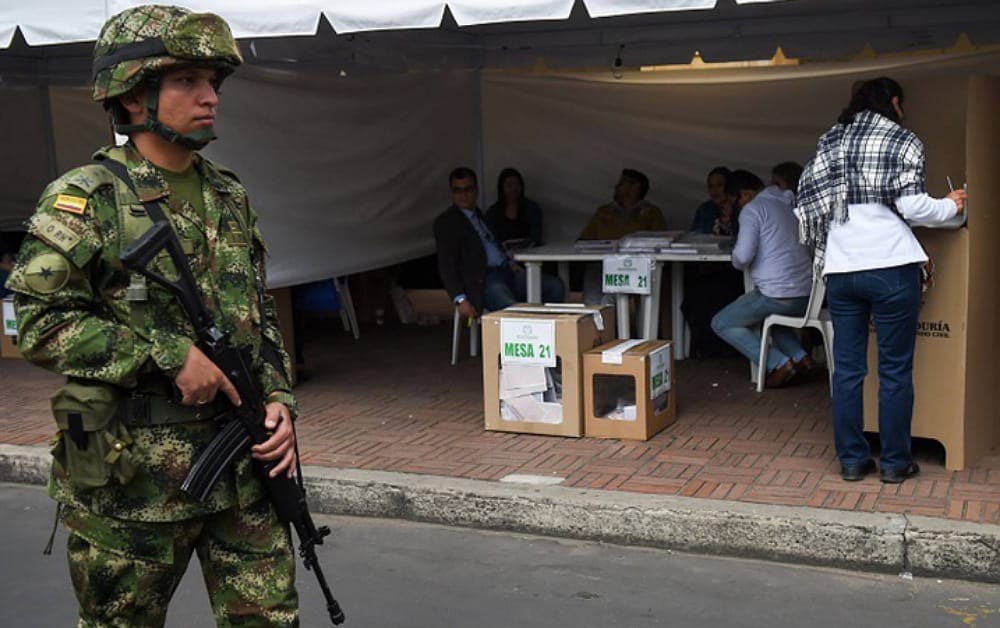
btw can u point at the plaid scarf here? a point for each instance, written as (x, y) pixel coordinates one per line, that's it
(871, 160)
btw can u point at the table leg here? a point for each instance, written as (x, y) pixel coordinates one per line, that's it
(563, 270)
(677, 317)
(651, 304)
(624, 328)
(534, 280)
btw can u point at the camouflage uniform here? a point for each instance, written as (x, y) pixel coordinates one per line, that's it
(131, 539)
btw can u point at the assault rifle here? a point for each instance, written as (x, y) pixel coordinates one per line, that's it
(243, 426)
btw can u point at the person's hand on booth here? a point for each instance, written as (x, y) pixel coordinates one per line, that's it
(958, 197)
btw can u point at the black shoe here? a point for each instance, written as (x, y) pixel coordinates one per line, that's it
(900, 475)
(857, 472)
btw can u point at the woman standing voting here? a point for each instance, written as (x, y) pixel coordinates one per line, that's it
(856, 196)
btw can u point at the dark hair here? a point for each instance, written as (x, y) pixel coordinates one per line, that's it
(790, 172)
(740, 180)
(504, 175)
(874, 95)
(639, 178)
(725, 172)
(463, 173)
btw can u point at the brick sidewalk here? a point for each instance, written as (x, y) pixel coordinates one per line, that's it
(391, 402)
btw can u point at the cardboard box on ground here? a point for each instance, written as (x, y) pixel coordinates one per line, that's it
(532, 365)
(8, 341)
(628, 389)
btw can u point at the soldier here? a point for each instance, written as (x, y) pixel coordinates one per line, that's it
(140, 397)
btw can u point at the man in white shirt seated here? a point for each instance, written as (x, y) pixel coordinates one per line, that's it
(767, 244)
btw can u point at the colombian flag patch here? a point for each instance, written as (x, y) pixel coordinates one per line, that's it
(71, 204)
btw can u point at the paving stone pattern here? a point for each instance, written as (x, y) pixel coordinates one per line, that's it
(392, 402)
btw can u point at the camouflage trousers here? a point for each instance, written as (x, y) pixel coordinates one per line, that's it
(125, 572)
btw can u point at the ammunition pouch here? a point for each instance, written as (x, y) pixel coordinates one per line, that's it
(92, 445)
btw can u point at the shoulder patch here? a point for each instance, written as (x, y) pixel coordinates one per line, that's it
(47, 273)
(54, 232)
(82, 181)
(71, 204)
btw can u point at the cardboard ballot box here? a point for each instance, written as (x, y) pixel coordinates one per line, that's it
(8, 341)
(628, 389)
(532, 371)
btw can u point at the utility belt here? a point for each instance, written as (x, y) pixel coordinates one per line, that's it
(155, 402)
(93, 445)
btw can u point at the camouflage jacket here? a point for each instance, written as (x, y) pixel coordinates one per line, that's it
(73, 316)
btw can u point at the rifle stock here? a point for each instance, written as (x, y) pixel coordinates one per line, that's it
(245, 424)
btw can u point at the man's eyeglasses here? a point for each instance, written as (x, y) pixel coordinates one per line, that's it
(463, 189)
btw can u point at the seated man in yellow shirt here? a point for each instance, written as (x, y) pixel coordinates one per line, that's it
(627, 213)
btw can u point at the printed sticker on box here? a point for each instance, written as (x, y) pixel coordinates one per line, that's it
(659, 371)
(9, 321)
(628, 274)
(528, 342)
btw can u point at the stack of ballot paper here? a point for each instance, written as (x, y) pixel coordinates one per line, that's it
(647, 241)
(529, 393)
(702, 242)
(595, 246)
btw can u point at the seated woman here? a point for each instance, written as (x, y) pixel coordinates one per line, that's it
(515, 220)
(716, 215)
(708, 287)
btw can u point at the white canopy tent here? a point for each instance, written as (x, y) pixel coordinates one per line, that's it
(345, 138)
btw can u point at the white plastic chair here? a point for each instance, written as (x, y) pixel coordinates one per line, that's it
(456, 335)
(347, 315)
(816, 317)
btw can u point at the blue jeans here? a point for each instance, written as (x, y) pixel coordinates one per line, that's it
(737, 324)
(504, 287)
(890, 297)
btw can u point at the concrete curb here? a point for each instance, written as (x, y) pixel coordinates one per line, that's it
(868, 541)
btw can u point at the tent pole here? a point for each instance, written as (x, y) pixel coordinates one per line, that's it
(48, 129)
(477, 108)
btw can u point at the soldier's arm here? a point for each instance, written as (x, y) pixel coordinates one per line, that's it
(275, 368)
(65, 323)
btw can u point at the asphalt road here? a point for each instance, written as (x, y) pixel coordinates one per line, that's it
(390, 574)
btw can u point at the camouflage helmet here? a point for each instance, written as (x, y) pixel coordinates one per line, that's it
(147, 40)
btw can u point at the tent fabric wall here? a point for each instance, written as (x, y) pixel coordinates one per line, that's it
(24, 160)
(571, 136)
(347, 176)
(78, 126)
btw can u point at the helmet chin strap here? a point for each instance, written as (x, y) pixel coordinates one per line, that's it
(195, 140)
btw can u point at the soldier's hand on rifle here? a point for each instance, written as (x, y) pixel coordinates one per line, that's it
(200, 380)
(281, 445)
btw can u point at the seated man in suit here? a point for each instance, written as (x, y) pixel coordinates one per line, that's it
(627, 213)
(474, 268)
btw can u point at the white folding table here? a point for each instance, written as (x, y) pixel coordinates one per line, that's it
(649, 315)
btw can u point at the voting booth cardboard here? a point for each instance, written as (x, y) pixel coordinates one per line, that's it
(956, 381)
(532, 365)
(628, 389)
(8, 341)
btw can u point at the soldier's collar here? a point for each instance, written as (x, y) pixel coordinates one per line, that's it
(219, 181)
(149, 184)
